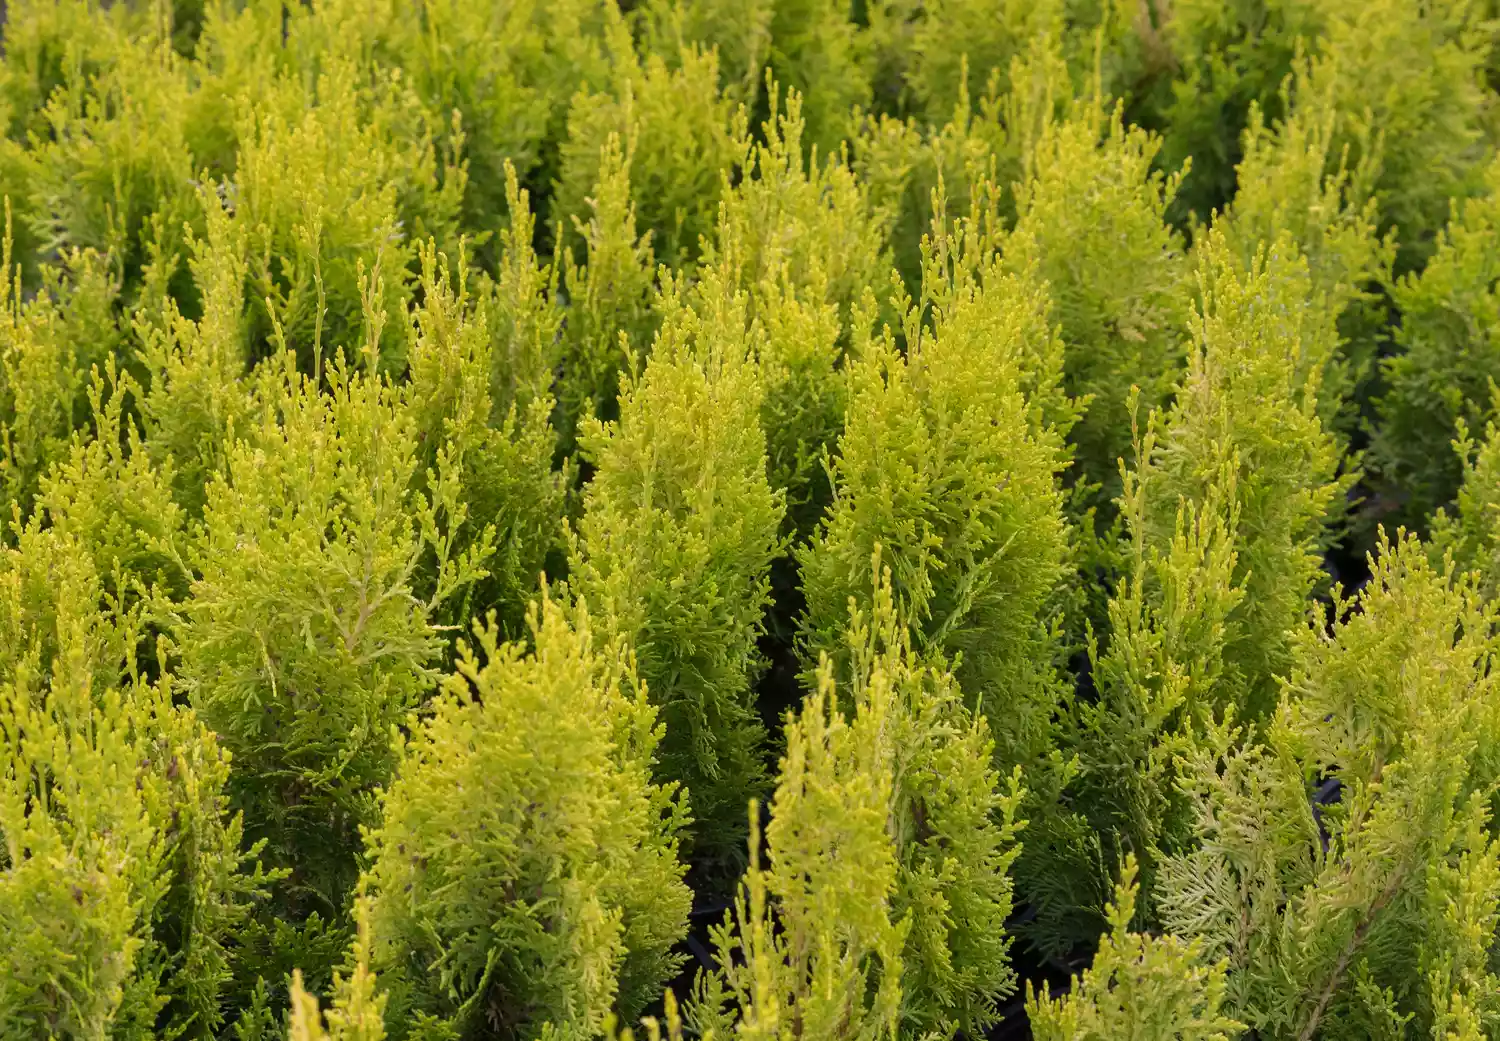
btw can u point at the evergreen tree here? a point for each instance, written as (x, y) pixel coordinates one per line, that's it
(1370, 914)
(882, 909)
(674, 549)
(48, 346)
(804, 240)
(1443, 372)
(1090, 224)
(358, 1012)
(489, 476)
(1407, 77)
(1150, 988)
(198, 393)
(524, 878)
(1231, 62)
(1227, 509)
(1469, 531)
(1293, 184)
(610, 320)
(683, 139)
(303, 643)
(124, 881)
(947, 462)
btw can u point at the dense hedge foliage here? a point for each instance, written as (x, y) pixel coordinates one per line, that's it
(767, 519)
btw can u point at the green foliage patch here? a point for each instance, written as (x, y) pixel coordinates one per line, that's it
(786, 519)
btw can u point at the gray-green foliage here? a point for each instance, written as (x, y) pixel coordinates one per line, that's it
(1371, 913)
(524, 876)
(673, 552)
(882, 909)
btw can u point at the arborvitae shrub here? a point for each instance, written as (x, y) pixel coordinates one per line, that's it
(946, 462)
(1470, 529)
(1442, 373)
(495, 81)
(1375, 908)
(883, 906)
(739, 30)
(818, 51)
(800, 213)
(198, 393)
(330, 327)
(950, 459)
(46, 41)
(521, 311)
(1231, 59)
(114, 154)
(1292, 183)
(1227, 508)
(1158, 675)
(48, 345)
(681, 135)
(1409, 76)
(358, 1009)
(935, 56)
(109, 497)
(610, 318)
(524, 879)
(326, 190)
(802, 237)
(1091, 224)
(906, 165)
(123, 883)
(1250, 401)
(802, 413)
(673, 552)
(812, 47)
(491, 476)
(302, 643)
(1148, 988)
